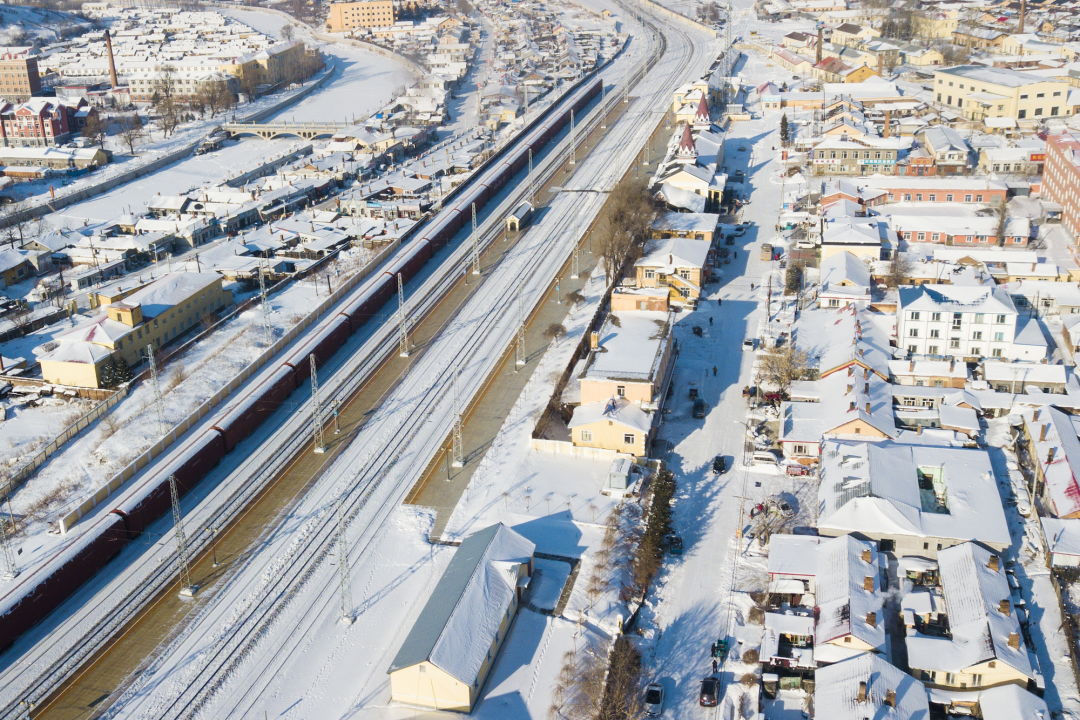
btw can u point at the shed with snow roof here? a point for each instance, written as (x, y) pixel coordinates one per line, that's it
(452, 646)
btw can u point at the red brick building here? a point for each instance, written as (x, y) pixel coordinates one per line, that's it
(39, 122)
(1061, 177)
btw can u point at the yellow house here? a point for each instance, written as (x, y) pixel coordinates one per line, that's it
(858, 74)
(937, 26)
(615, 424)
(680, 264)
(452, 646)
(156, 313)
(630, 357)
(351, 15)
(978, 92)
(986, 646)
(269, 66)
(690, 92)
(15, 266)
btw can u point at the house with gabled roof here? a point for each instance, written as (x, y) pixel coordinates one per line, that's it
(454, 642)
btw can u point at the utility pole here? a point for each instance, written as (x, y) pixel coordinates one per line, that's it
(520, 360)
(187, 588)
(343, 566)
(475, 244)
(403, 328)
(575, 262)
(573, 139)
(316, 415)
(159, 404)
(459, 450)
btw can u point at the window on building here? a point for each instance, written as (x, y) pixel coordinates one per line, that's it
(620, 390)
(997, 352)
(977, 335)
(948, 198)
(586, 436)
(799, 449)
(1054, 110)
(1000, 320)
(999, 337)
(954, 343)
(913, 349)
(1023, 97)
(935, 237)
(918, 197)
(935, 333)
(914, 315)
(628, 439)
(650, 274)
(907, 197)
(834, 302)
(980, 318)
(913, 332)
(932, 349)
(1021, 114)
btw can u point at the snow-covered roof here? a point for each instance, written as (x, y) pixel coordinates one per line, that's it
(1062, 536)
(837, 687)
(928, 368)
(873, 488)
(618, 410)
(1012, 702)
(844, 605)
(680, 198)
(1023, 373)
(844, 273)
(686, 222)
(974, 584)
(1057, 450)
(793, 554)
(674, 253)
(459, 623)
(956, 298)
(631, 349)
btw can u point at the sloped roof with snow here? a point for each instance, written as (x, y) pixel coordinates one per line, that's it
(458, 625)
(841, 271)
(836, 691)
(844, 604)
(618, 410)
(1057, 451)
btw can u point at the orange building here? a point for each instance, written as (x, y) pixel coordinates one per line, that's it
(351, 15)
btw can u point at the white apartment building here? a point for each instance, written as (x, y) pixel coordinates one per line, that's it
(956, 320)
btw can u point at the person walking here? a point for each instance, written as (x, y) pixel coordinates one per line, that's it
(714, 666)
(710, 321)
(751, 286)
(714, 371)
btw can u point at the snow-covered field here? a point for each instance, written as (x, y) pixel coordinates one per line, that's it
(23, 25)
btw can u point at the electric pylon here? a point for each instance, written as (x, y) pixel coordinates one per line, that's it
(316, 414)
(403, 329)
(186, 586)
(521, 331)
(159, 403)
(343, 566)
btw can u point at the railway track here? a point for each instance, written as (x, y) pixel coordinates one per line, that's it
(302, 560)
(157, 569)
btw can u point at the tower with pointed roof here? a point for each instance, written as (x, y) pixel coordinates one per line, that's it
(687, 151)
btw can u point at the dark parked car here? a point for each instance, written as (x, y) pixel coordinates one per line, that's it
(729, 240)
(710, 691)
(719, 464)
(674, 544)
(699, 408)
(696, 330)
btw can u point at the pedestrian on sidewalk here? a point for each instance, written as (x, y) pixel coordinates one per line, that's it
(714, 667)
(751, 286)
(719, 302)
(713, 652)
(710, 321)
(714, 371)
(734, 255)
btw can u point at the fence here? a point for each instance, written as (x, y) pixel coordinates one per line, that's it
(565, 447)
(117, 481)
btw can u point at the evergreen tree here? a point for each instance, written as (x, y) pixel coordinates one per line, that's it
(785, 131)
(123, 372)
(107, 378)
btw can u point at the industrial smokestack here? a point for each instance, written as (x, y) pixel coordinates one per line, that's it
(888, 124)
(112, 63)
(1023, 16)
(819, 43)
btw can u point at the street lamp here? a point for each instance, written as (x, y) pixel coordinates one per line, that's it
(213, 543)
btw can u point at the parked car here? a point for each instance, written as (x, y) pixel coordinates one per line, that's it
(742, 148)
(749, 344)
(654, 700)
(749, 391)
(693, 393)
(699, 408)
(719, 464)
(674, 544)
(710, 690)
(729, 240)
(696, 329)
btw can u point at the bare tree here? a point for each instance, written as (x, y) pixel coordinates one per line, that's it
(131, 131)
(95, 129)
(783, 366)
(288, 31)
(899, 270)
(21, 226)
(555, 331)
(625, 228)
(1002, 213)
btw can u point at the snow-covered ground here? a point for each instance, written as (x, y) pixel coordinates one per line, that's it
(23, 25)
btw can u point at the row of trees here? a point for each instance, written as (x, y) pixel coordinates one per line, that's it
(620, 237)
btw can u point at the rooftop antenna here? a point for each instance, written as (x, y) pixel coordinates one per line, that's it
(11, 570)
(459, 451)
(403, 328)
(187, 588)
(521, 331)
(475, 244)
(159, 403)
(316, 415)
(343, 566)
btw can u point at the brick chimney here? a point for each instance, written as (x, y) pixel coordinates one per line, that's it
(594, 340)
(1050, 455)
(819, 43)
(890, 698)
(1023, 16)
(1014, 640)
(887, 130)
(1004, 606)
(868, 408)
(1042, 433)
(868, 583)
(112, 63)
(862, 691)
(994, 564)
(851, 406)
(867, 556)
(871, 619)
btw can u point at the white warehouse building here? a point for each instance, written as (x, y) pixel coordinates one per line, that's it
(956, 320)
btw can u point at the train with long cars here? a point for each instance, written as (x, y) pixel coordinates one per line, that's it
(42, 590)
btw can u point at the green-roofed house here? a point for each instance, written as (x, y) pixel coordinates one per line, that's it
(448, 654)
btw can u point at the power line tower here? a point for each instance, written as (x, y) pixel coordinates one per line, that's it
(459, 449)
(186, 586)
(532, 182)
(345, 586)
(575, 262)
(475, 244)
(159, 403)
(267, 327)
(316, 411)
(403, 327)
(521, 331)
(10, 568)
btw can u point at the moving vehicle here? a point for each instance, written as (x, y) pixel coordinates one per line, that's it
(749, 344)
(674, 544)
(654, 700)
(699, 408)
(710, 691)
(719, 464)
(766, 251)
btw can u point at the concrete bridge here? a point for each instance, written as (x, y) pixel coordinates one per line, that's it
(268, 131)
